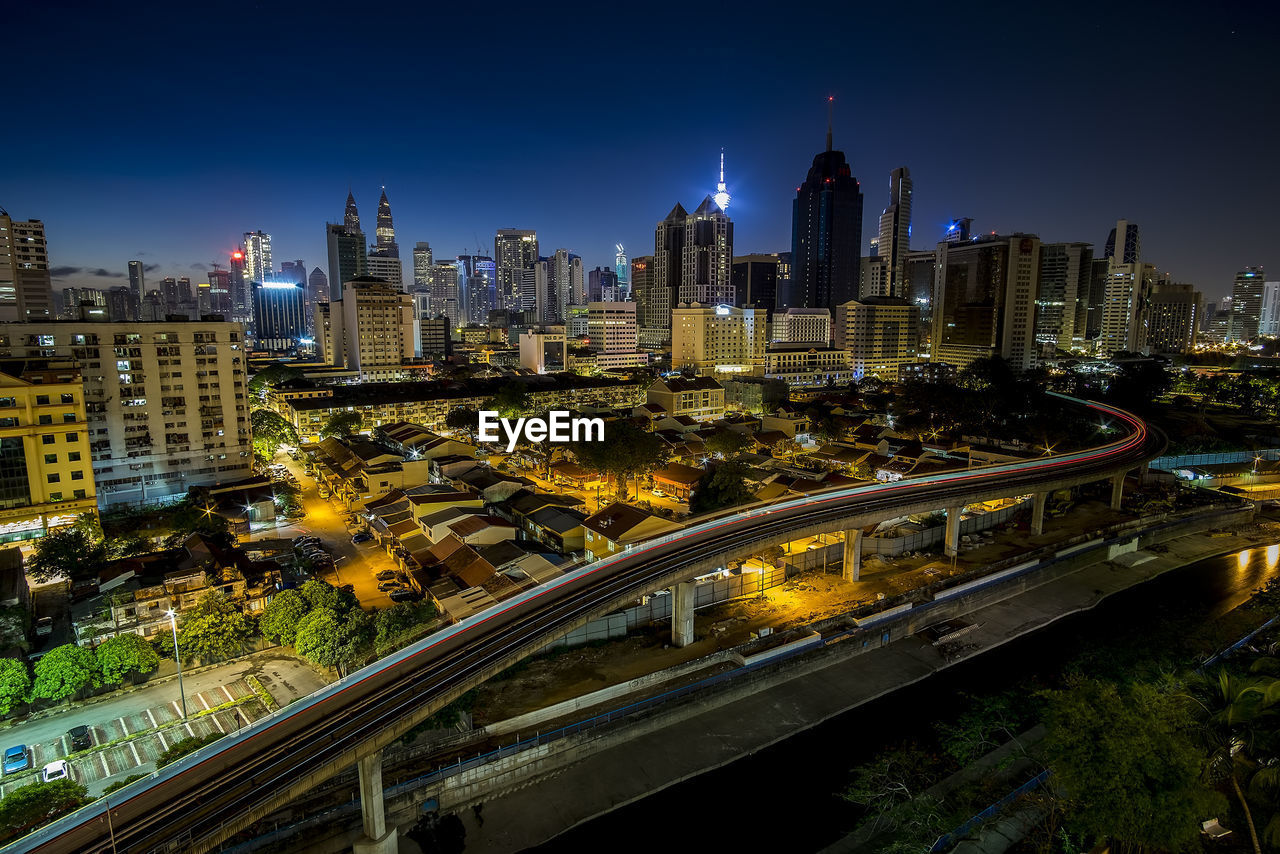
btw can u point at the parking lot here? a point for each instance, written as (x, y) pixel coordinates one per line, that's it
(131, 744)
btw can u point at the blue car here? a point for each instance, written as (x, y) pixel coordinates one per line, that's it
(361, 538)
(16, 759)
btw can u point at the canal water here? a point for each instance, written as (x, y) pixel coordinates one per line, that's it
(783, 798)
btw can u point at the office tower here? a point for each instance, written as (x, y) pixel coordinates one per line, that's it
(257, 257)
(873, 277)
(279, 317)
(602, 285)
(445, 296)
(719, 338)
(576, 321)
(383, 258)
(566, 282)
(1064, 287)
(386, 268)
(544, 350)
(801, 326)
(152, 308)
(177, 297)
(152, 439)
(219, 293)
(1269, 318)
(74, 299)
(1125, 309)
(879, 334)
(422, 267)
(241, 298)
(535, 292)
(707, 261)
(26, 290)
(1097, 298)
(317, 292)
(292, 271)
(46, 480)
(1130, 243)
(668, 261)
(1246, 303)
(433, 336)
(895, 232)
(346, 249)
(826, 234)
(1174, 318)
(476, 282)
(385, 232)
(984, 300)
(643, 291)
(959, 231)
(623, 271)
(514, 251)
(370, 329)
(755, 281)
(917, 277)
(611, 326)
(137, 279)
(123, 304)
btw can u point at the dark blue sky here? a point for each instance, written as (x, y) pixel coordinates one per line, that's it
(164, 132)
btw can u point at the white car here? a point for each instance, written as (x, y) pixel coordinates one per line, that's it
(56, 770)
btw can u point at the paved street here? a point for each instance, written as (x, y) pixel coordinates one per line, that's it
(355, 564)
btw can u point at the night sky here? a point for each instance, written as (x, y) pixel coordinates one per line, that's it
(163, 133)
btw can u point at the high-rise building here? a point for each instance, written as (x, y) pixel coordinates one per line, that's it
(873, 278)
(241, 297)
(668, 266)
(984, 300)
(422, 267)
(385, 233)
(257, 257)
(317, 292)
(348, 258)
(514, 251)
(1097, 299)
(1246, 303)
(602, 285)
(895, 232)
(623, 270)
(1126, 239)
(476, 274)
(826, 234)
(644, 292)
(219, 300)
(566, 281)
(445, 295)
(918, 275)
(76, 299)
(26, 289)
(879, 334)
(370, 330)
(755, 280)
(1269, 319)
(386, 268)
(611, 326)
(1064, 286)
(1125, 308)
(278, 315)
(707, 260)
(383, 258)
(1175, 311)
(151, 437)
(801, 326)
(138, 279)
(179, 298)
(46, 480)
(123, 304)
(718, 339)
(293, 271)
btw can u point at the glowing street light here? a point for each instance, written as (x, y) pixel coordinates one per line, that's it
(177, 657)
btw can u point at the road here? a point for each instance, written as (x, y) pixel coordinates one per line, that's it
(198, 801)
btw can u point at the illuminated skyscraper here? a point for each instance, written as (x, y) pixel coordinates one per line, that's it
(826, 234)
(277, 315)
(137, 279)
(383, 259)
(1246, 303)
(219, 294)
(241, 299)
(476, 275)
(257, 256)
(422, 267)
(346, 249)
(895, 231)
(514, 251)
(26, 289)
(386, 232)
(706, 270)
(623, 269)
(351, 216)
(1126, 236)
(721, 197)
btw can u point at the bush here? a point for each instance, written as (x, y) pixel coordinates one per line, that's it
(120, 784)
(181, 748)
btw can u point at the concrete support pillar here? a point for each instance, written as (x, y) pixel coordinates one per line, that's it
(1037, 512)
(682, 613)
(853, 554)
(952, 539)
(1117, 490)
(378, 838)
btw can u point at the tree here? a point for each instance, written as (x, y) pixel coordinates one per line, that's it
(322, 594)
(184, 746)
(124, 654)
(727, 443)
(70, 552)
(288, 499)
(63, 671)
(787, 448)
(272, 375)
(213, 630)
(391, 623)
(892, 790)
(279, 620)
(466, 420)
(342, 424)
(189, 518)
(1138, 383)
(270, 431)
(30, 806)
(511, 401)
(15, 682)
(1125, 760)
(332, 639)
(722, 485)
(627, 451)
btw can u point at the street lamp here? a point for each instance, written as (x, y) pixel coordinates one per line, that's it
(177, 657)
(336, 574)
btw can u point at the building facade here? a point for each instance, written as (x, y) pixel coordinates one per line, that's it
(279, 316)
(826, 234)
(26, 289)
(895, 232)
(879, 334)
(514, 251)
(370, 330)
(718, 339)
(1246, 303)
(1175, 318)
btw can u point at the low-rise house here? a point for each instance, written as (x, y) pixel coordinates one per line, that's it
(417, 442)
(697, 397)
(558, 528)
(677, 479)
(785, 419)
(357, 470)
(618, 526)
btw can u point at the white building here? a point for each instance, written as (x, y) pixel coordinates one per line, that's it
(1269, 320)
(257, 257)
(545, 350)
(611, 326)
(369, 330)
(801, 326)
(387, 268)
(879, 334)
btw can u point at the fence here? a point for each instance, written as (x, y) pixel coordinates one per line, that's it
(947, 840)
(1170, 463)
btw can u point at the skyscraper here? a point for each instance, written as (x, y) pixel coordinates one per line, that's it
(26, 289)
(422, 267)
(826, 234)
(1063, 289)
(385, 233)
(137, 279)
(707, 262)
(1130, 243)
(293, 271)
(241, 299)
(1269, 320)
(1246, 303)
(477, 286)
(219, 292)
(346, 249)
(623, 269)
(1175, 318)
(278, 315)
(567, 282)
(643, 291)
(383, 259)
(602, 285)
(895, 231)
(668, 260)
(257, 256)
(755, 281)
(514, 251)
(1124, 298)
(445, 296)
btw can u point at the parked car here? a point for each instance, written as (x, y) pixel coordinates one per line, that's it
(58, 769)
(385, 575)
(362, 537)
(658, 493)
(405, 595)
(389, 586)
(44, 626)
(304, 539)
(80, 738)
(16, 759)
(350, 588)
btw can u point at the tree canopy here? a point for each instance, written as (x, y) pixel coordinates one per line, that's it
(30, 806)
(15, 682)
(727, 443)
(322, 594)
(271, 375)
(270, 431)
(279, 620)
(124, 654)
(722, 485)
(69, 552)
(466, 420)
(333, 639)
(512, 400)
(627, 451)
(213, 630)
(63, 671)
(341, 424)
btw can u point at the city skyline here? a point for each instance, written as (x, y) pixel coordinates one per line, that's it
(112, 200)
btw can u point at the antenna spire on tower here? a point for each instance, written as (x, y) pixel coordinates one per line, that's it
(830, 105)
